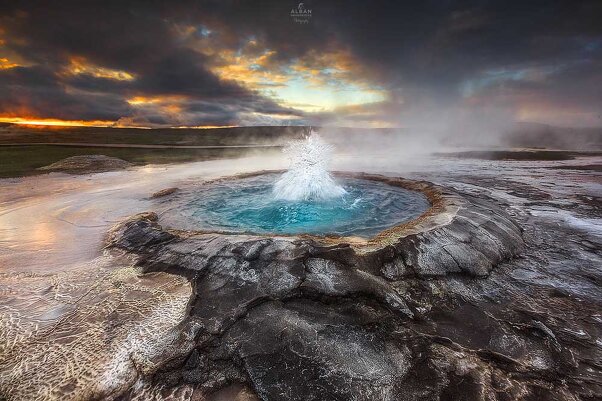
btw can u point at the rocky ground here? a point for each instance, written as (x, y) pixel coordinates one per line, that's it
(279, 319)
(418, 316)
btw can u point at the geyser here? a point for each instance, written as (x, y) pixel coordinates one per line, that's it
(307, 177)
(306, 199)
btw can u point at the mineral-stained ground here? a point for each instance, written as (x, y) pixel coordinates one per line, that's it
(499, 299)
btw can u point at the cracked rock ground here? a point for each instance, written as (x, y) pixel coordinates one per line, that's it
(422, 314)
(485, 298)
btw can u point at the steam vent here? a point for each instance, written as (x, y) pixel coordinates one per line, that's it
(302, 317)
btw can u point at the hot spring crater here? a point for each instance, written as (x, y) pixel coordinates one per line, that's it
(327, 300)
(247, 204)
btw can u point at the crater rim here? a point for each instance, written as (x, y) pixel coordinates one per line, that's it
(439, 204)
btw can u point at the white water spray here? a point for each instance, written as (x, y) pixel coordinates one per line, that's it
(307, 177)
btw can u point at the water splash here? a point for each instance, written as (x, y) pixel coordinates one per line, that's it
(307, 177)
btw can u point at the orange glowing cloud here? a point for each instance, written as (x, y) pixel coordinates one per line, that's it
(170, 104)
(251, 71)
(5, 64)
(337, 67)
(79, 65)
(142, 100)
(203, 126)
(315, 82)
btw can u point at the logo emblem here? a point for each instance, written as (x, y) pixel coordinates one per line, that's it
(301, 15)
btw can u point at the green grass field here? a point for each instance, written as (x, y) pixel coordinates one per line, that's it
(12, 133)
(19, 156)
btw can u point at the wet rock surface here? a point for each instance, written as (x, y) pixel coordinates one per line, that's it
(441, 309)
(84, 164)
(305, 318)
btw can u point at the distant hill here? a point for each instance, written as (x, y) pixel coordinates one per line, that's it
(534, 135)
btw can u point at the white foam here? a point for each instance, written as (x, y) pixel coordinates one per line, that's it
(308, 177)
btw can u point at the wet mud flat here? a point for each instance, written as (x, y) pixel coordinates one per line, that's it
(520, 154)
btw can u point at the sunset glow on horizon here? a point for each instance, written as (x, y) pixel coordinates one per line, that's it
(54, 122)
(42, 122)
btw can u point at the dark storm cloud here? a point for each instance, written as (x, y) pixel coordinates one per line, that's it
(428, 52)
(430, 40)
(37, 91)
(432, 54)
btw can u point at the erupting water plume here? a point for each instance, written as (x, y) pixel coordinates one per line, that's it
(307, 177)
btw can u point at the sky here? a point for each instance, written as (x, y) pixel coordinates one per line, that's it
(330, 63)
